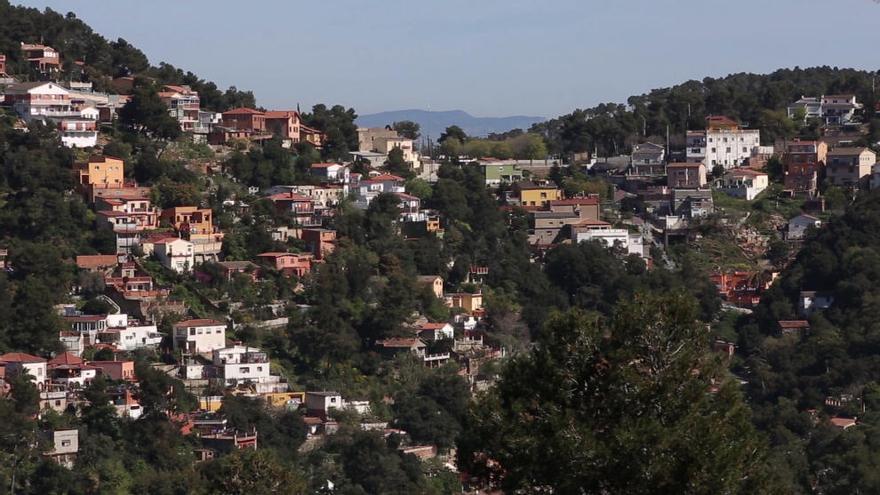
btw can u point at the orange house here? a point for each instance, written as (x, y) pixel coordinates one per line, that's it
(193, 221)
(243, 118)
(100, 172)
(321, 242)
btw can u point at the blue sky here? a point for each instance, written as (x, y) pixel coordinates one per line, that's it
(487, 57)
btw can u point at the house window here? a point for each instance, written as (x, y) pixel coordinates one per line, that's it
(192, 331)
(728, 149)
(244, 369)
(65, 443)
(333, 400)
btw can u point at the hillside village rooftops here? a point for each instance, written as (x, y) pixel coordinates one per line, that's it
(746, 172)
(87, 261)
(20, 357)
(200, 322)
(384, 178)
(847, 151)
(289, 196)
(715, 122)
(401, 342)
(281, 114)
(793, 324)
(589, 201)
(25, 86)
(243, 111)
(528, 186)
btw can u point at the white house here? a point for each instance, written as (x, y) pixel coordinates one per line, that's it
(436, 331)
(128, 335)
(797, 226)
(722, 143)
(175, 254)
(330, 172)
(197, 336)
(367, 189)
(18, 362)
(621, 238)
(241, 364)
(321, 403)
(743, 183)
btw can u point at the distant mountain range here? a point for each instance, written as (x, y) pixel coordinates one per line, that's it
(434, 123)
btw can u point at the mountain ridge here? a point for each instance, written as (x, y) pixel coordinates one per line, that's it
(433, 123)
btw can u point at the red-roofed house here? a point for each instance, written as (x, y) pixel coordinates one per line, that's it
(842, 423)
(246, 119)
(96, 262)
(436, 331)
(69, 370)
(789, 327)
(44, 59)
(19, 362)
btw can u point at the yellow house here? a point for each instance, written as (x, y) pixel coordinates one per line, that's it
(282, 399)
(531, 194)
(100, 172)
(465, 300)
(210, 403)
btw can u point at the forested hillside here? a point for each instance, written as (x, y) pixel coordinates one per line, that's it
(758, 100)
(608, 381)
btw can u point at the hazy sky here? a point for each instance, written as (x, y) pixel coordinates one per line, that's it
(488, 57)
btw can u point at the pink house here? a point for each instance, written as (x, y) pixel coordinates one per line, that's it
(288, 263)
(115, 370)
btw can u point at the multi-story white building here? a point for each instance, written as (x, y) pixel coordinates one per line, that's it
(832, 109)
(241, 364)
(722, 143)
(198, 336)
(611, 238)
(51, 103)
(183, 105)
(743, 183)
(175, 254)
(128, 335)
(367, 189)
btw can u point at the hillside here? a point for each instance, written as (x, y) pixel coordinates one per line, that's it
(434, 123)
(101, 59)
